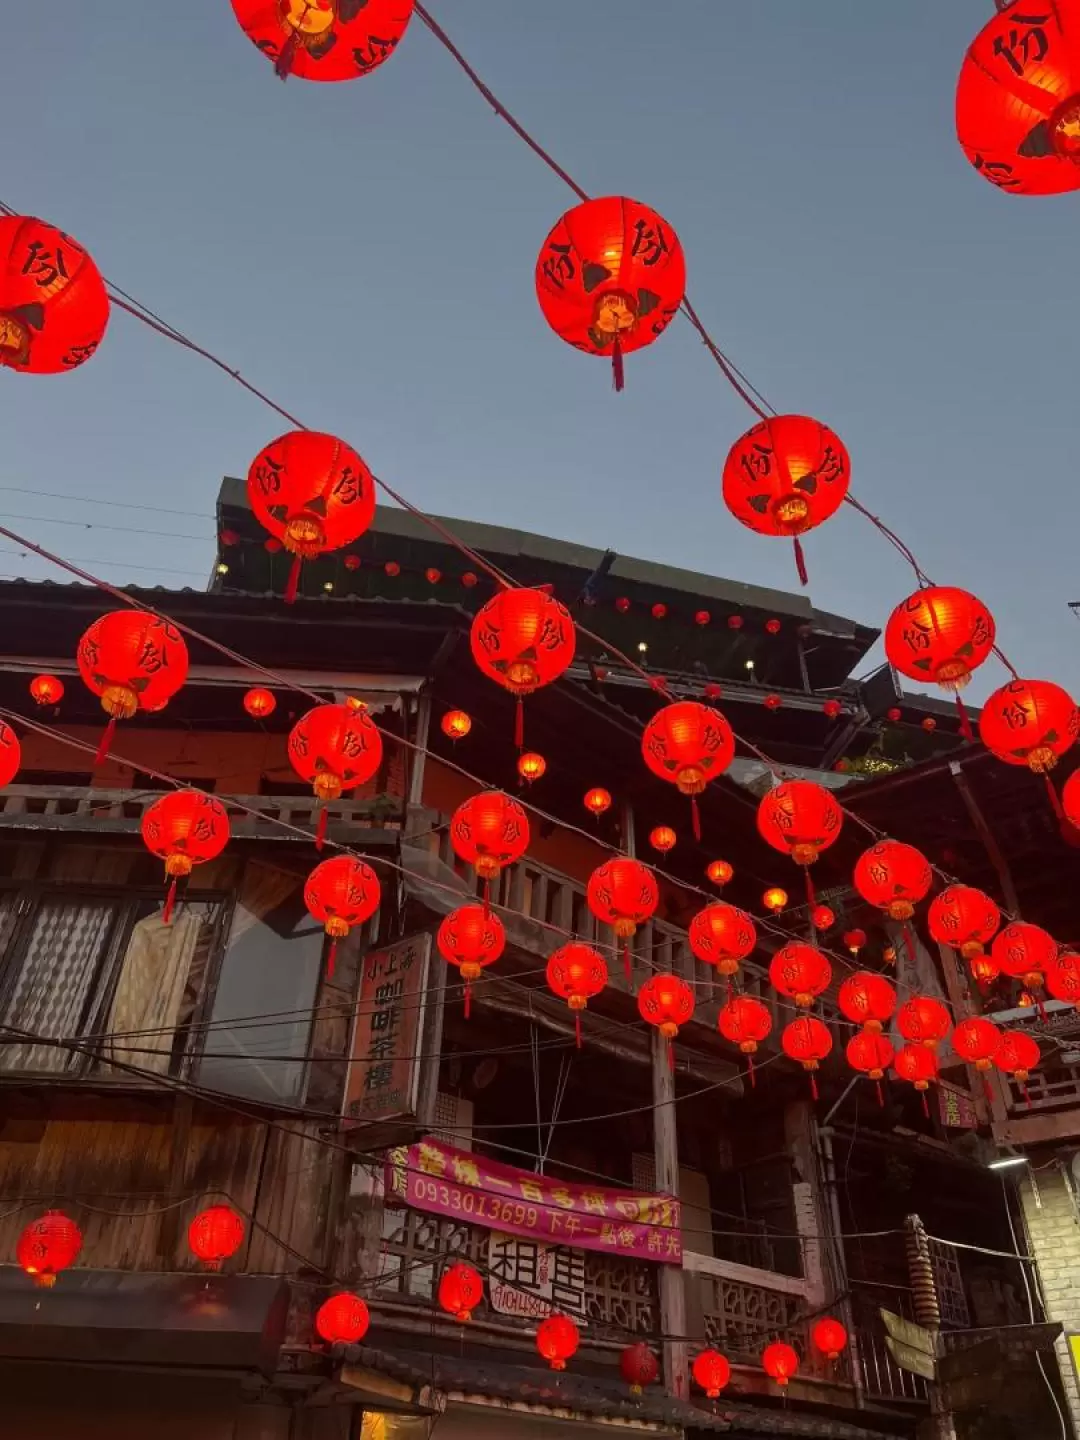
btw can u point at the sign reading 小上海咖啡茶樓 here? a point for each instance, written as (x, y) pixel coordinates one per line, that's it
(385, 1068)
(441, 1180)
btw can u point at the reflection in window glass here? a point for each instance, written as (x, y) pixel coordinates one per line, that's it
(271, 965)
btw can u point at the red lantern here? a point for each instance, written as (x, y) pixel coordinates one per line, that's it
(919, 1066)
(340, 893)
(215, 1235)
(489, 831)
(785, 476)
(610, 277)
(712, 1372)
(871, 1054)
(780, 1362)
(822, 917)
(800, 819)
(456, 724)
(688, 744)
(324, 39)
(48, 1245)
(576, 973)
(184, 828)
(964, 919)
(460, 1291)
(923, 1021)
(745, 1022)
(522, 639)
(808, 1041)
(392, 568)
(659, 611)
(343, 1319)
(471, 938)
(772, 702)
(432, 576)
(772, 627)
(531, 766)
(133, 661)
(801, 972)
(867, 999)
(1018, 101)
(10, 754)
(663, 838)
(46, 690)
(855, 940)
(701, 617)
(1063, 978)
(53, 304)
(775, 899)
(939, 635)
(719, 872)
(666, 1002)
(638, 1366)
(597, 801)
(259, 703)
(829, 1336)
(1024, 952)
(334, 748)
(722, 935)
(1017, 1055)
(312, 492)
(623, 893)
(977, 1041)
(557, 1340)
(1029, 722)
(894, 877)
(831, 708)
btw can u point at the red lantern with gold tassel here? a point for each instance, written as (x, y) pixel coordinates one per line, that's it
(785, 476)
(522, 639)
(977, 1042)
(334, 748)
(722, 935)
(940, 635)
(460, 1291)
(799, 818)
(1024, 952)
(557, 1340)
(313, 493)
(576, 973)
(47, 1246)
(46, 690)
(1063, 978)
(919, 1066)
(829, 1336)
(215, 1235)
(801, 972)
(808, 1041)
(132, 661)
(1032, 723)
(341, 893)
(184, 828)
(54, 307)
(259, 703)
(471, 937)
(610, 277)
(894, 877)
(746, 1022)
(1016, 1056)
(871, 1054)
(343, 1319)
(711, 1371)
(489, 831)
(668, 1003)
(922, 1020)
(688, 744)
(780, 1362)
(623, 893)
(638, 1366)
(867, 999)
(324, 39)
(964, 919)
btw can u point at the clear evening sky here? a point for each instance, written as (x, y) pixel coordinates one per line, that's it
(365, 252)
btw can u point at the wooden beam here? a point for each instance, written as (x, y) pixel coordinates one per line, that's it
(986, 835)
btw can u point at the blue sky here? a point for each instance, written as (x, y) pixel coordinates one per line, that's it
(365, 252)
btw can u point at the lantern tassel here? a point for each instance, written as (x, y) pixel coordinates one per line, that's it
(331, 958)
(811, 898)
(750, 1072)
(106, 741)
(626, 961)
(925, 1106)
(880, 1095)
(284, 62)
(320, 828)
(487, 899)
(519, 724)
(965, 723)
(468, 998)
(813, 1085)
(1024, 1092)
(987, 1091)
(1053, 797)
(695, 817)
(577, 1028)
(909, 942)
(170, 901)
(1039, 1006)
(671, 1056)
(800, 561)
(292, 585)
(617, 375)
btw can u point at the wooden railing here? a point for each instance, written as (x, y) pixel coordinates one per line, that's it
(742, 1309)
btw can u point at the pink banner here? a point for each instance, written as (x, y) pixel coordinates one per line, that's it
(437, 1178)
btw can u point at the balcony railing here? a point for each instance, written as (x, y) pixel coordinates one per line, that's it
(743, 1309)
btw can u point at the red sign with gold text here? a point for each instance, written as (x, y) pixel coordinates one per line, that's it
(437, 1178)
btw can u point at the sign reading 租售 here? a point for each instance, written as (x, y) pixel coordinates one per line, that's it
(437, 1178)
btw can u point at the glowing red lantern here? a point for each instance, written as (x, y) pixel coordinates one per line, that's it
(785, 476)
(215, 1235)
(939, 635)
(964, 919)
(1017, 1055)
(867, 999)
(340, 893)
(871, 1054)
(259, 703)
(712, 1372)
(557, 1340)
(46, 690)
(855, 940)
(829, 1336)
(432, 576)
(662, 838)
(531, 766)
(666, 1002)
(800, 819)
(659, 611)
(977, 1041)
(47, 1246)
(1018, 101)
(917, 1064)
(313, 493)
(489, 831)
(471, 938)
(775, 899)
(780, 1362)
(324, 39)
(701, 617)
(822, 917)
(894, 877)
(10, 754)
(576, 973)
(610, 277)
(688, 744)
(721, 873)
(597, 801)
(522, 639)
(343, 1319)
(392, 568)
(334, 748)
(623, 893)
(456, 724)
(638, 1366)
(923, 1021)
(1063, 978)
(722, 935)
(184, 828)
(746, 1022)
(1024, 952)
(53, 304)
(131, 660)
(460, 1291)
(801, 972)
(1029, 722)
(831, 708)
(808, 1041)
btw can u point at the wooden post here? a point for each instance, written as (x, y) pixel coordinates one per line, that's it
(419, 755)
(666, 1160)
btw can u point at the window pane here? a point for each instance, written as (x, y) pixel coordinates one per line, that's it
(271, 964)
